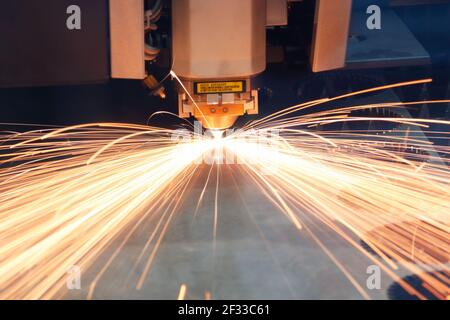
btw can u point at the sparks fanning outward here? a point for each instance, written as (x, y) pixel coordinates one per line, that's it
(66, 194)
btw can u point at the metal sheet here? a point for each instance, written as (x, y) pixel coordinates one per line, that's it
(257, 253)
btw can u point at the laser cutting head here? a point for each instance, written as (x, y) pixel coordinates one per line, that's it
(215, 57)
(218, 111)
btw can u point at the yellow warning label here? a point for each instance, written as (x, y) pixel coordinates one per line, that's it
(219, 87)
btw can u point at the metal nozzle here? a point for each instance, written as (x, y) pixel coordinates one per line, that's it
(217, 134)
(218, 117)
(217, 123)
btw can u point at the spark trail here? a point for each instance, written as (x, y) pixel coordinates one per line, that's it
(66, 194)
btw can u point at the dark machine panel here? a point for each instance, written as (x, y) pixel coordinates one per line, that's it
(38, 48)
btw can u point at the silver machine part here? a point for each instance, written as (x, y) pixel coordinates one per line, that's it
(216, 39)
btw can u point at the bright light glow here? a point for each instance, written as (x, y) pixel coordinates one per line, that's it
(66, 194)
